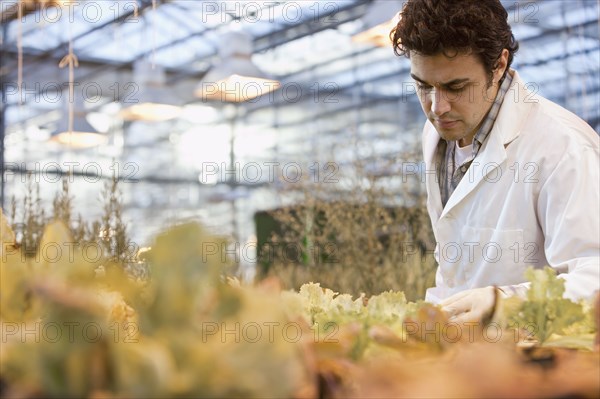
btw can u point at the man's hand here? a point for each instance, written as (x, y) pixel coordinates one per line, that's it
(476, 305)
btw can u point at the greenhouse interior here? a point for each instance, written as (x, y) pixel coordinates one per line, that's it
(234, 199)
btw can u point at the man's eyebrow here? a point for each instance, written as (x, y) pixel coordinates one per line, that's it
(446, 84)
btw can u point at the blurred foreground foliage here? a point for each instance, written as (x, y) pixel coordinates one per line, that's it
(68, 332)
(74, 328)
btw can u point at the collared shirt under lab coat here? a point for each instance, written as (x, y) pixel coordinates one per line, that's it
(531, 197)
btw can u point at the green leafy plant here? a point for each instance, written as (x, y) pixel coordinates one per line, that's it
(546, 311)
(355, 327)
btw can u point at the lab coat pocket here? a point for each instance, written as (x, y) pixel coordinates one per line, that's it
(490, 253)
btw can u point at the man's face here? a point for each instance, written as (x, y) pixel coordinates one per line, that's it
(455, 92)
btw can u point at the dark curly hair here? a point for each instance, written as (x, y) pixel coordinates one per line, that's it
(450, 27)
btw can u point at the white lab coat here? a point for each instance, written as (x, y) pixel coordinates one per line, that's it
(530, 197)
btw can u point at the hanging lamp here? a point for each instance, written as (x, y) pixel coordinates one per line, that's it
(81, 134)
(381, 17)
(235, 78)
(153, 102)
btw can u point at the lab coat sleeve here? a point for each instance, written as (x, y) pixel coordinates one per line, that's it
(568, 207)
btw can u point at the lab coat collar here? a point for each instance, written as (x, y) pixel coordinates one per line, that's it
(434, 198)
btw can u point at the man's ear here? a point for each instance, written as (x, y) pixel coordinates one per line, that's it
(501, 66)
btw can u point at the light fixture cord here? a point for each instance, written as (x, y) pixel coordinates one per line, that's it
(20, 50)
(153, 34)
(72, 61)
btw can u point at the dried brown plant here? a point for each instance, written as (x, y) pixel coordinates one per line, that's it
(360, 235)
(33, 219)
(109, 233)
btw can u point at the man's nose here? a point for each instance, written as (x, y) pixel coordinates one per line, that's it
(439, 103)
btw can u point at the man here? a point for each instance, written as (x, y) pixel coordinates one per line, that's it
(512, 178)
